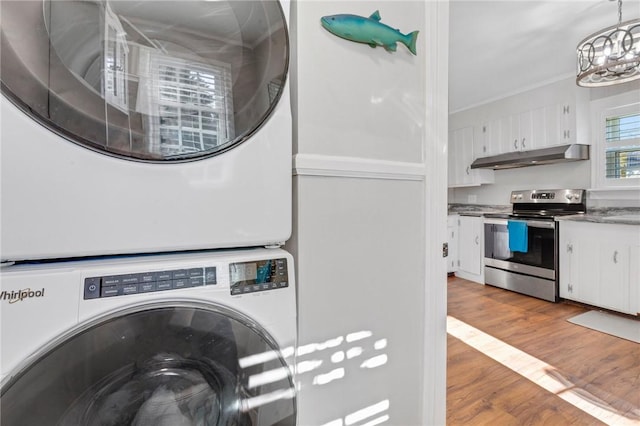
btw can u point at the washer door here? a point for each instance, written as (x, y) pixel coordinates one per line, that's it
(150, 80)
(159, 365)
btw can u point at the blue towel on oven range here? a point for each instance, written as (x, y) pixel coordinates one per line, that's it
(518, 235)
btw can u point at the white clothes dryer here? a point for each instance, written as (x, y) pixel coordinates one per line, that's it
(143, 126)
(181, 339)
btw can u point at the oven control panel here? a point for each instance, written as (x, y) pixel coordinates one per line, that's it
(543, 196)
(566, 196)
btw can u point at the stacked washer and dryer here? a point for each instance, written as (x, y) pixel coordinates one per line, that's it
(146, 189)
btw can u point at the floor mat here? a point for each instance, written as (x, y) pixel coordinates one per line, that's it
(625, 328)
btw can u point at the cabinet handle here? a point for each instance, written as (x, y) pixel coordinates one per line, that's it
(523, 142)
(515, 144)
(569, 248)
(484, 148)
(467, 169)
(477, 240)
(570, 288)
(615, 256)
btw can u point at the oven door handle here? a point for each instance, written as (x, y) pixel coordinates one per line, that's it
(540, 224)
(493, 221)
(530, 223)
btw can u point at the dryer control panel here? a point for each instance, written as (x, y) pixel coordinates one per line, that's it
(251, 277)
(145, 282)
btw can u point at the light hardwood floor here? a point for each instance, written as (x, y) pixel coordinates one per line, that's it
(580, 366)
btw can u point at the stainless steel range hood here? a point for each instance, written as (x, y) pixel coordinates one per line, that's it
(534, 157)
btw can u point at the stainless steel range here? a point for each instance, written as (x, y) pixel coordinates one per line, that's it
(521, 248)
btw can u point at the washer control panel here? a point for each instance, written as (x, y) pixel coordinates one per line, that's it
(250, 277)
(145, 282)
(244, 277)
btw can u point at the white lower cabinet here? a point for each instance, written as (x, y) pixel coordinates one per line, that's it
(470, 244)
(452, 241)
(599, 265)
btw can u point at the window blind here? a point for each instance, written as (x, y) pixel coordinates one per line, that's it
(194, 106)
(623, 147)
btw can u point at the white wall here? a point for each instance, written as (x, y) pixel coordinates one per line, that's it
(369, 192)
(553, 176)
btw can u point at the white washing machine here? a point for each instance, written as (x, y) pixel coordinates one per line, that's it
(163, 340)
(143, 126)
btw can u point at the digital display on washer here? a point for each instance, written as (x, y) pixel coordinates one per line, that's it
(250, 277)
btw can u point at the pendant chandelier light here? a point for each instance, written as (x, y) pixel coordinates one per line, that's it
(610, 56)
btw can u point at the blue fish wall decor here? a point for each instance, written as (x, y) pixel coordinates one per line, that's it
(369, 31)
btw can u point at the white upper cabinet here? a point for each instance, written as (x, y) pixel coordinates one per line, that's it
(523, 125)
(461, 155)
(537, 138)
(488, 138)
(504, 134)
(482, 139)
(560, 123)
(535, 119)
(536, 128)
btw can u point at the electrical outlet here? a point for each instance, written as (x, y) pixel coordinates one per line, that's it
(472, 199)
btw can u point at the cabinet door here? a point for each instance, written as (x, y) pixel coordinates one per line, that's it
(538, 137)
(560, 123)
(585, 269)
(452, 240)
(466, 154)
(567, 119)
(461, 155)
(481, 141)
(452, 172)
(614, 275)
(566, 261)
(470, 244)
(579, 264)
(525, 128)
(505, 140)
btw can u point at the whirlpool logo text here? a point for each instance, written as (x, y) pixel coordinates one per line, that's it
(20, 295)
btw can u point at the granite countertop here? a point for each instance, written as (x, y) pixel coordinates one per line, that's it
(617, 215)
(614, 215)
(477, 209)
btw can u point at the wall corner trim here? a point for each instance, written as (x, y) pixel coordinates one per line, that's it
(354, 167)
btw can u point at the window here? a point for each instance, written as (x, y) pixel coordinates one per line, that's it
(616, 149)
(623, 147)
(116, 57)
(194, 106)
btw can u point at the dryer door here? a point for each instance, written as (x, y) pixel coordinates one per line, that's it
(150, 80)
(157, 365)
